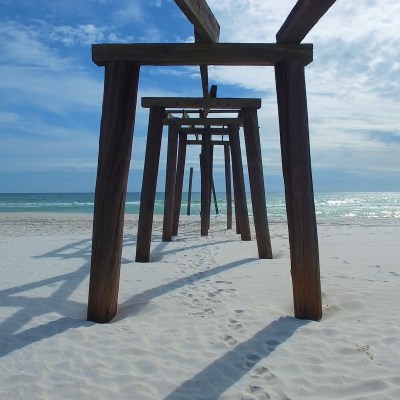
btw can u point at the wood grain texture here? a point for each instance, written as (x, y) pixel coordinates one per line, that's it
(256, 180)
(116, 133)
(189, 201)
(304, 15)
(213, 142)
(228, 186)
(299, 194)
(205, 157)
(180, 173)
(203, 131)
(235, 54)
(170, 179)
(199, 102)
(242, 214)
(202, 121)
(200, 15)
(149, 184)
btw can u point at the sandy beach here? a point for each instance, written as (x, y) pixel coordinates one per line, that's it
(205, 319)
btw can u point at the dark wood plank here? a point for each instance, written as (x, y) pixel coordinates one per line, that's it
(228, 186)
(256, 179)
(214, 142)
(296, 164)
(235, 54)
(304, 15)
(170, 178)
(238, 183)
(202, 121)
(199, 102)
(200, 15)
(115, 147)
(190, 190)
(205, 157)
(180, 173)
(201, 131)
(149, 184)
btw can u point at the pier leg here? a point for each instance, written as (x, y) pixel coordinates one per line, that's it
(149, 184)
(228, 186)
(190, 190)
(115, 148)
(300, 208)
(170, 179)
(256, 179)
(238, 183)
(180, 173)
(205, 183)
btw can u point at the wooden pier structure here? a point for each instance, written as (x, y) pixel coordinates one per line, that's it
(122, 64)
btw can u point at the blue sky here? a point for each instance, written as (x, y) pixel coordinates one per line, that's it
(51, 92)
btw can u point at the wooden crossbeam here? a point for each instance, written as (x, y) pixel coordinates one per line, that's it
(203, 121)
(213, 142)
(304, 15)
(180, 111)
(200, 102)
(202, 131)
(199, 14)
(243, 54)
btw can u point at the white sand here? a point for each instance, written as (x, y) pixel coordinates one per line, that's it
(205, 319)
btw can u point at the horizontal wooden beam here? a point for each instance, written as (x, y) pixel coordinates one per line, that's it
(189, 111)
(199, 14)
(200, 102)
(213, 142)
(202, 131)
(244, 54)
(203, 121)
(304, 15)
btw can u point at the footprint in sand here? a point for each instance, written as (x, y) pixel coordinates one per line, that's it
(272, 344)
(263, 373)
(251, 360)
(229, 340)
(259, 392)
(234, 324)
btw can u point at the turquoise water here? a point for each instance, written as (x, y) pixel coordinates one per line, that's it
(334, 206)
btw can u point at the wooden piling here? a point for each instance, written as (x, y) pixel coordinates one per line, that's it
(115, 147)
(238, 183)
(180, 173)
(256, 179)
(228, 186)
(205, 183)
(170, 179)
(296, 164)
(149, 184)
(214, 196)
(190, 190)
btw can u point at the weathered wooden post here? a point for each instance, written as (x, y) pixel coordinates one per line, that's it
(238, 183)
(190, 190)
(228, 187)
(149, 183)
(205, 183)
(256, 179)
(296, 164)
(170, 179)
(214, 195)
(115, 147)
(180, 172)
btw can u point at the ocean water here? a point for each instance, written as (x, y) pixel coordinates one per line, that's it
(330, 207)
